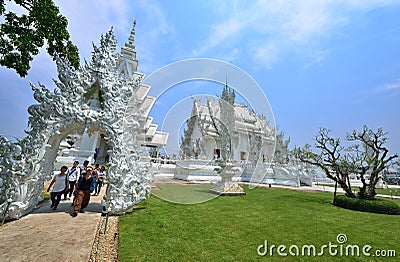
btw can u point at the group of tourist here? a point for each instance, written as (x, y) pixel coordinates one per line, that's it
(78, 181)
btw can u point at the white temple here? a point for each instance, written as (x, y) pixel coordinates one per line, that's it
(82, 146)
(232, 132)
(250, 135)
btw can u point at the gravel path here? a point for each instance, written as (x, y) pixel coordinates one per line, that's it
(105, 246)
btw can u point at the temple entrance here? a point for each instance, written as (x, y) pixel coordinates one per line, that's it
(100, 101)
(103, 149)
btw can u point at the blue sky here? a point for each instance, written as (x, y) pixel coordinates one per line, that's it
(333, 64)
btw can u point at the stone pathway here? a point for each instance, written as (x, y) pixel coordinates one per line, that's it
(47, 235)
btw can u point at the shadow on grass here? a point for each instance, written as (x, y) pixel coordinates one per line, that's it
(184, 193)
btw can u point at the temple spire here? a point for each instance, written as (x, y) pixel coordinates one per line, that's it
(228, 94)
(129, 49)
(128, 63)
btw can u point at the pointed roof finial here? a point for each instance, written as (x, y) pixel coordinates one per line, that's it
(127, 61)
(229, 93)
(131, 38)
(129, 48)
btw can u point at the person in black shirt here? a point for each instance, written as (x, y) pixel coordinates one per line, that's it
(82, 192)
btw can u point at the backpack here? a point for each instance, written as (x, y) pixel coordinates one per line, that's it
(93, 184)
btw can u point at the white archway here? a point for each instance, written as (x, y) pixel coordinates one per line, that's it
(99, 96)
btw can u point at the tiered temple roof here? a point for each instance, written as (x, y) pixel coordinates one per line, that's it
(128, 65)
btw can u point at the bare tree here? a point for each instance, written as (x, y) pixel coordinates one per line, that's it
(366, 159)
(371, 159)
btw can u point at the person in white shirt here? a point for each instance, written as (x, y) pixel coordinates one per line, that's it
(73, 175)
(60, 186)
(101, 174)
(84, 167)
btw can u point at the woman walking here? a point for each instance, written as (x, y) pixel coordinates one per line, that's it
(82, 192)
(60, 187)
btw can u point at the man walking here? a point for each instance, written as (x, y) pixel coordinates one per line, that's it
(73, 176)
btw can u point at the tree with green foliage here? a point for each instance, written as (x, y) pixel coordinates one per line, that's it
(21, 36)
(367, 158)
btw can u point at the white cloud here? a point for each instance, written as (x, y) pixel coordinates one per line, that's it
(368, 4)
(317, 57)
(231, 56)
(153, 18)
(395, 85)
(266, 54)
(306, 22)
(222, 32)
(89, 19)
(276, 28)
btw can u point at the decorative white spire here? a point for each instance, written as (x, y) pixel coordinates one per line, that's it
(129, 49)
(128, 63)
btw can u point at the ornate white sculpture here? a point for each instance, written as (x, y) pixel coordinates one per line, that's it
(227, 187)
(281, 149)
(95, 97)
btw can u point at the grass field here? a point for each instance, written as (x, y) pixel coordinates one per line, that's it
(232, 228)
(184, 193)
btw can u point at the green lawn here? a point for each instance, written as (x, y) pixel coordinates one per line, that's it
(231, 228)
(184, 193)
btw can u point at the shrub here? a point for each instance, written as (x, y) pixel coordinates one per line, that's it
(381, 206)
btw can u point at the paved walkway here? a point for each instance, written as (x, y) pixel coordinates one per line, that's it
(47, 235)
